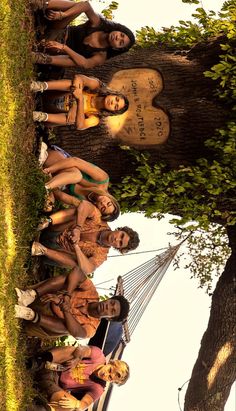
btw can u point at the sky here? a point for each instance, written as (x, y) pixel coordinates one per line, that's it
(165, 345)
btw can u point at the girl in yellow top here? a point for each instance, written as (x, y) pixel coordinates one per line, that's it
(82, 102)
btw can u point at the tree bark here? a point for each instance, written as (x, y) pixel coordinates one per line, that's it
(187, 97)
(214, 371)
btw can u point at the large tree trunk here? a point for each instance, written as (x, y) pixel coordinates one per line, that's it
(214, 371)
(194, 115)
(187, 97)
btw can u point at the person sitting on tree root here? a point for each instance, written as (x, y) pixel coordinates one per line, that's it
(75, 377)
(86, 45)
(74, 179)
(82, 102)
(83, 240)
(67, 306)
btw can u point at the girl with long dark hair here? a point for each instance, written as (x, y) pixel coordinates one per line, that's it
(86, 45)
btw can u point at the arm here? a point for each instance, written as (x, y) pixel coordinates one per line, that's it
(90, 121)
(72, 325)
(85, 402)
(67, 353)
(82, 351)
(96, 60)
(72, 113)
(80, 116)
(70, 356)
(82, 122)
(78, 85)
(70, 402)
(70, 58)
(66, 198)
(74, 279)
(85, 210)
(86, 264)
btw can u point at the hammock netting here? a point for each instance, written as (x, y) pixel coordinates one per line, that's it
(139, 285)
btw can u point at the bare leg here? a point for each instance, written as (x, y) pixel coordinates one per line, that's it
(64, 226)
(69, 282)
(59, 85)
(74, 176)
(74, 279)
(64, 216)
(64, 5)
(53, 324)
(51, 285)
(62, 61)
(68, 176)
(64, 259)
(62, 354)
(53, 157)
(59, 119)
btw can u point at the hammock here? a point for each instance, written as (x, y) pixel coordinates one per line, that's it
(138, 286)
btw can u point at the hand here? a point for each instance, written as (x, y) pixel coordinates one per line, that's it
(69, 403)
(52, 298)
(78, 81)
(71, 363)
(54, 15)
(78, 92)
(65, 305)
(74, 235)
(54, 45)
(46, 170)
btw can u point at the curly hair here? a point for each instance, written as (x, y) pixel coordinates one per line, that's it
(133, 239)
(123, 369)
(124, 308)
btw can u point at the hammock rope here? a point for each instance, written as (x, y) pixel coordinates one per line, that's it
(140, 284)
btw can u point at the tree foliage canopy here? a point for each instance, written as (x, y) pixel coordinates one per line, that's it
(188, 33)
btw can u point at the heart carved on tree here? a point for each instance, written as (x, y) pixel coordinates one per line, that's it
(142, 124)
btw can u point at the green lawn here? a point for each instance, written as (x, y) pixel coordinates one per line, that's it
(20, 196)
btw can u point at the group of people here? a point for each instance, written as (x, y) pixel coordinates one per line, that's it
(78, 235)
(83, 101)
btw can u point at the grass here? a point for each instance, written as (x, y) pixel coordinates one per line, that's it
(21, 193)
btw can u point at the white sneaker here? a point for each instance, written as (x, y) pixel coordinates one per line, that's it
(43, 155)
(37, 86)
(25, 313)
(37, 249)
(26, 297)
(40, 116)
